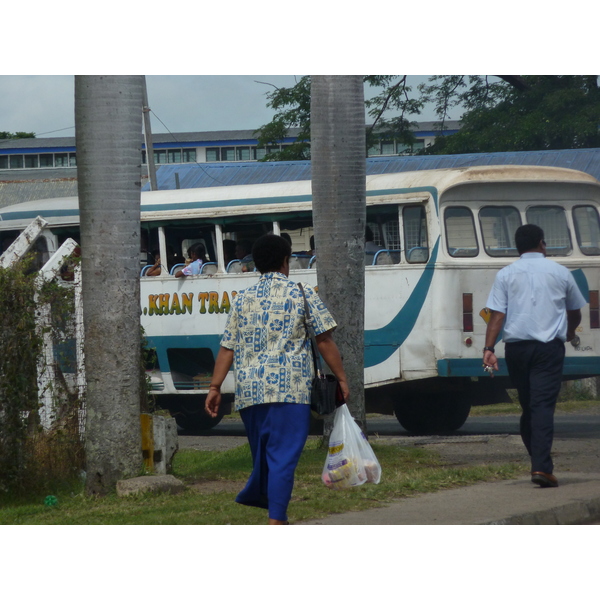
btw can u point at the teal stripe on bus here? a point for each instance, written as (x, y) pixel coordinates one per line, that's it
(381, 343)
(583, 366)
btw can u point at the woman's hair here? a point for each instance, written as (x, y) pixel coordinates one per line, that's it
(269, 252)
(528, 237)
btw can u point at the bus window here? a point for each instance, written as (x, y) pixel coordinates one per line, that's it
(385, 227)
(461, 240)
(553, 221)
(498, 226)
(414, 222)
(587, 229)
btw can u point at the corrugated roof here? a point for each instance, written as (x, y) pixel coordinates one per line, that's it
(12, 192)
(242, 173)
(186, 137)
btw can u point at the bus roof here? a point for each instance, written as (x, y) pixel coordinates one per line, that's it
(287, 196)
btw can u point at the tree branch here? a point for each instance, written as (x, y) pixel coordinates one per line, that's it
(386, 102)
(516, 81)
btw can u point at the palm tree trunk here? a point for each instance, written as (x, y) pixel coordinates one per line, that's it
(108, 121)
(339, 217)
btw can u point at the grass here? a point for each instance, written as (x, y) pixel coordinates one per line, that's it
(567, 403)
(406, 472)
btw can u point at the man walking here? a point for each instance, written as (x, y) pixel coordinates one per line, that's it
(538, 302)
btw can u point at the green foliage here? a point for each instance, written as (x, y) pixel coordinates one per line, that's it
(292, 106)
(501, 113)
(552, 112)
(6, 135)
(29, 456)
(19, 346)
(393, 96)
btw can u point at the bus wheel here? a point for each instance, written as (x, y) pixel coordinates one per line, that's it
(199, 421)
(432, 413)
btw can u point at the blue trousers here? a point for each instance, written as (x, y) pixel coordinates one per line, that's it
(277, 433)
(535, 369)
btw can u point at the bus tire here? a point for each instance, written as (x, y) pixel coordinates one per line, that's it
(432, 413)
(198, 421)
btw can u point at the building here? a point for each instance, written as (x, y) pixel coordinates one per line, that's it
(37, 168)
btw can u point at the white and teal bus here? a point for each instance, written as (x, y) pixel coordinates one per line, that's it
(444, 233)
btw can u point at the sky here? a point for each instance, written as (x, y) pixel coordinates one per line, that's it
(198, 57)
(44, 104)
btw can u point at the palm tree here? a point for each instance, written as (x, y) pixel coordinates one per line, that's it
(339, 217)
(108, 123)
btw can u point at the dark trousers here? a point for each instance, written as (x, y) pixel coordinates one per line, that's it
(535, 369)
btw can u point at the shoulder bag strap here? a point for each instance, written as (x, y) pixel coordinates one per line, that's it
(310, 332)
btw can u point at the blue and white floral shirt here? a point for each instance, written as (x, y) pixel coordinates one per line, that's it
(266, 330)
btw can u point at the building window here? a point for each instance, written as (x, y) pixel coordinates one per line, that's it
(16, 161)
(387, 148)
(228, 154)
(46, 160)
(31, 161)
(242, 153)
(189, 155)
(174, 156)
(3, 162)
(212, 155)
(61, 160)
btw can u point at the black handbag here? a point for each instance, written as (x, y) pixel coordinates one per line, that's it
(326, 394)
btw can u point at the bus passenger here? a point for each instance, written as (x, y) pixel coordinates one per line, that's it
(229, 251)
(156, 268)
(197, 254)
(370, 245)
(273, 385)
(243, 252)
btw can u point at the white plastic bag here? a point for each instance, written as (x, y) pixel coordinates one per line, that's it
(350, 460)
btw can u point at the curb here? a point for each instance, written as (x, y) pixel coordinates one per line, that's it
(575, 513)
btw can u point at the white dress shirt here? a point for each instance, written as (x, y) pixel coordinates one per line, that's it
(534, 293)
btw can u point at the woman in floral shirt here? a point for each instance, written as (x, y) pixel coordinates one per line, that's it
(266, 342)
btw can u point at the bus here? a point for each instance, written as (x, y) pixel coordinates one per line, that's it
(442, 235)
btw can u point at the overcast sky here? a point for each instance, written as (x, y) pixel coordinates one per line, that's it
(225, 41)
(44, 104)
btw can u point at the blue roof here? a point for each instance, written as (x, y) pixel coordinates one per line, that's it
(197, 175)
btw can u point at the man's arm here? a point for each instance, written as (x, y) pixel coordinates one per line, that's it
(494, 327)
(573, 320)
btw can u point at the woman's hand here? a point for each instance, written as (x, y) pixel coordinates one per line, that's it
(345, 390)
(213, 402)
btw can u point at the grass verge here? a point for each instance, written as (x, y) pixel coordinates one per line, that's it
(513, 408)
(406, 472)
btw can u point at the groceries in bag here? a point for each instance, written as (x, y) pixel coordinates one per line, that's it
(350, 459)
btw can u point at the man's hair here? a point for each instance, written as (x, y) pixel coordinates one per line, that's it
(269, 252)
(198, 249)
(245, 245)
(528, 237)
